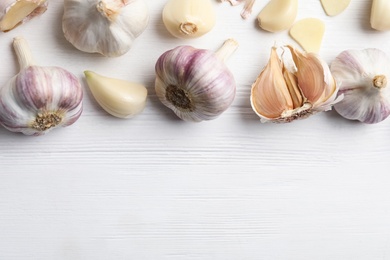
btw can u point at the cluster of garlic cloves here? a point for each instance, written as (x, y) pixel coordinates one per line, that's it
(292, 85)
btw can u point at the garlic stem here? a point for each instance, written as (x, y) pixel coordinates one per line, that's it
(110, 8)
(380, 81)
(23, 53)
(227, 49)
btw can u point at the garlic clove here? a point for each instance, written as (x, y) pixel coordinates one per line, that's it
(119, 98)
(278, 15)
(15, 12)
(189, 18)
(334, 7)
(380, 19)
(308, 33)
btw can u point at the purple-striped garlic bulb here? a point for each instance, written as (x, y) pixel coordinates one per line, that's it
(195, 83)
(39, 99)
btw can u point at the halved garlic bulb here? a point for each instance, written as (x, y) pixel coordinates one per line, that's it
(108, 27)
(363, 77)
(119, 98)
(16, 12)
(292, 87)
(189, 18)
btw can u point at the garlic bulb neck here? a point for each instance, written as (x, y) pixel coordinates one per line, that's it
(379, 81)
(109, 8)
(23, 53)
(179, 98)
(227, 49)
(46, 120)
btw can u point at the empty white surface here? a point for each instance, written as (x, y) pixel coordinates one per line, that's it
(154, 187)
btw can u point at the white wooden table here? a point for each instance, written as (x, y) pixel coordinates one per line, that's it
(154, 187)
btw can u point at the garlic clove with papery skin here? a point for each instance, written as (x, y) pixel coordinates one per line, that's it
(195, 83)
(118, 97)
(39, 99)
(16, 12)
(363, 77)
(188, 19)
(108, 27)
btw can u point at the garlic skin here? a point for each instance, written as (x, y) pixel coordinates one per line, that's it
(293, 86)
(16, 12)
(108, 27)
(195, 83)
(117, 97)
(248, 5)
(363, 77)
(379, 18)
(278, 15)
(189, 19)
(39, 99)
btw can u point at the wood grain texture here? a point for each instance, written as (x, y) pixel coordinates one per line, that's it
(155, 187)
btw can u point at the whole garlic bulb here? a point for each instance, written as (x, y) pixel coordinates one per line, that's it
(292, 87)
(189, 18)
(195, 83)
(39, 99)
(108, 27)
(363, 77)
(16, 12)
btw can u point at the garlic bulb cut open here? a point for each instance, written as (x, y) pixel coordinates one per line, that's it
(108, 27)
(39, 99)
(363, 76)
(292, 86)
(16, 12)
(195, 83)
(278, 15)
(118, 97)
(380, 19)
(189, 18)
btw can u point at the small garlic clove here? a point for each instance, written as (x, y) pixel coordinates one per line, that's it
(278, 15)
(308, 33)
(334, 7)
(15, 12)
(119, 98)
(380, 19)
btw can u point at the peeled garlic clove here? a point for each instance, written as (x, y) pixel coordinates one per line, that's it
(39, 99)
(334, 7)
(380, 19)
(195, 83)
(189, 18)
(308, 33)
(119, 98)
(363, 77)
(278, 15)
(15, 12)
(108, 27)
(283, 94)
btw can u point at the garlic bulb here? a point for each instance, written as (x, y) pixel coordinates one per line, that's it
(278, 15)
(293, 86)
(189, 18)
(380, 19)
(39, 99)
(119, 98)
(195, 83)
(363, 77)
(108, 27)
(16, 12)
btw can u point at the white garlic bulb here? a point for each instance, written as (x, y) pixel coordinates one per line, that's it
(39, 99)
(195, 83)
(363, 77)
(189, 18)
(108, 27)
(119, 98)
(16, 12)
(293, 86)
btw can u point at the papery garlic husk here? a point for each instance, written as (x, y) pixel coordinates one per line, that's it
(195, 83)
(108, 27)
(247, 10)
(380, 19)
(39, 99)
(120, 98)
(278, 15)
(16, 12)
(363, 76)
(292, 86)
(189, 18)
